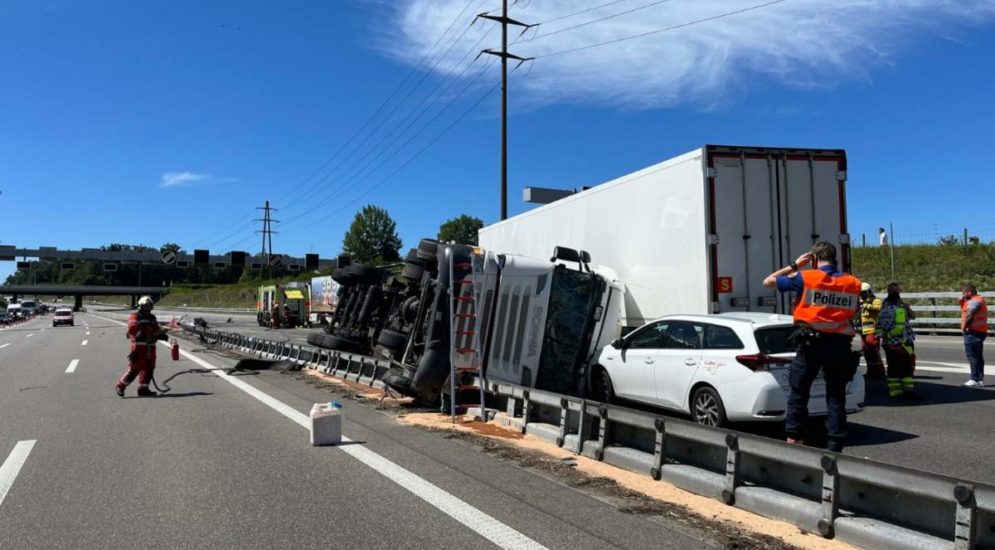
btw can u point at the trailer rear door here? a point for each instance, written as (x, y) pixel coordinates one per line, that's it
(768, 206)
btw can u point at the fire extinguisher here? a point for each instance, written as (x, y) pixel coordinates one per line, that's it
(175, 350)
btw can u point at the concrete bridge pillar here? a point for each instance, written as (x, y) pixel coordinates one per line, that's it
(78, 302)
(134, 301)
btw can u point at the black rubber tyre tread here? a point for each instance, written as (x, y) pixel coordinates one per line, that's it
(607, 389)
(412, 272)
(315, 338)
(340, 343)
(344, 276)
(392, 339)
(367, 274)
(428, 248)
(413, 258)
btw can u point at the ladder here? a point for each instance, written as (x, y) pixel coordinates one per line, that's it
(465, 357)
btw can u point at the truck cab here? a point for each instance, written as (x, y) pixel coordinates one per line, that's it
(292, 296)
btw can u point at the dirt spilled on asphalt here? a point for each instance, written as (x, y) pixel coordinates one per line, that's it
(629, 492)
(354, 391)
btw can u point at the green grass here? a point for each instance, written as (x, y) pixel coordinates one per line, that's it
(923, 268)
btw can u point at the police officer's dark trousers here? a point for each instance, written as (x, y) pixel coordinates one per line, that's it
(831, 355)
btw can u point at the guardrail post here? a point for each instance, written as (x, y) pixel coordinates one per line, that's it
(564, 420)
(732, 469)
(830, 495)
(603, 433)
(526, 409)
(967, 517)
(583, 427)
(659, 448)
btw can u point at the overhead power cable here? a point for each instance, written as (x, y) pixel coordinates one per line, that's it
(665, 29)
(593, 21)
(354, 182)
(407, 121)
(583, 11)
(405, 164)
(228, 234)
(390, 97)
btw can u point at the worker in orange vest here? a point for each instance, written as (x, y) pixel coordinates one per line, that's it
(826, 300)
(974, 325)
(144, 332)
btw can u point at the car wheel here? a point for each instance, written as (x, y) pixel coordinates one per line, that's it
(605, 391)
(707, 408)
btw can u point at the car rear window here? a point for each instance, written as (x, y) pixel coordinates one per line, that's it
(63, 313)
(775, 339)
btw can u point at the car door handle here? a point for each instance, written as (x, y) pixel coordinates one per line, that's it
(690, 362)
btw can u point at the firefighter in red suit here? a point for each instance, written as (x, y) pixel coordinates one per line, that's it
(144, 332)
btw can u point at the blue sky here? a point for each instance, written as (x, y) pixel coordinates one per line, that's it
(148, 122)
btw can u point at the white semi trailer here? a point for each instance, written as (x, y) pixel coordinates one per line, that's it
(697, 233)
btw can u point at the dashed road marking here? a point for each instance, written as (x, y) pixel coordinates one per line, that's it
(473, 518)
(12, 466)
(5, 345)
(72, 366)
(30, 335)
(84, 342)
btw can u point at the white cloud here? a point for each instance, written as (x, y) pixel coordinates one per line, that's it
(796, 43)
(176, 179)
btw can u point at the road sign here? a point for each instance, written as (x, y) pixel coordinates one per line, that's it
(201, 257)
(276, 260)
(168, 257)
(68, 265)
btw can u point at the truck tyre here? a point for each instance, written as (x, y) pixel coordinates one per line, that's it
(413, 272)
(393, 340)
(412, 257)
(315, 339)
(366, 274)
(427, 249)
(344, 276)
(340, 343)
(707, 408)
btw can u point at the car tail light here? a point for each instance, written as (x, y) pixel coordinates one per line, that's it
(758, 362)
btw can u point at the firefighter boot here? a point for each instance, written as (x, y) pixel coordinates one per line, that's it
(145, 392)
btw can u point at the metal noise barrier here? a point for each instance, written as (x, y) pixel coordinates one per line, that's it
(862, 502)
(350, 366)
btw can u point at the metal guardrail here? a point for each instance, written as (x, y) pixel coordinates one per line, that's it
(865, 503)
(940, 303)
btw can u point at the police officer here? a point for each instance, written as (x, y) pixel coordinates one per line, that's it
(826, 300)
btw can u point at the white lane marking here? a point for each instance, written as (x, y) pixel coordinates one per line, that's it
(484, 525)
(5, 345)
(12, 466)
(30, 335)
(87, 333)
(72, 366)
(84, 342)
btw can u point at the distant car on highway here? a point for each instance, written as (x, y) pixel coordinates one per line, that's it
(4, 319)
(716, 368)
(63, 316)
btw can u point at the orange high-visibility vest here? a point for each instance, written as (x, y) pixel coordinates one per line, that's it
(828, 302)
(979, 321)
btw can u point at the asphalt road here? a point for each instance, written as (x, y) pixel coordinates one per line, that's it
(223, 461)
(947, 432)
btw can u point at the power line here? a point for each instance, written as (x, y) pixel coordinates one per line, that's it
(351, 175)
(390, 97)
(569, 15)
(593, 21)
(439, 58)
(407, 162)
(354, 181)
(228, 234)
(665, 29)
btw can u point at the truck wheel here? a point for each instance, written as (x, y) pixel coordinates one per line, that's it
(344, 276)
(412, 272)
(707, 408)
(366, 274)
(340, 343)
(392, 339)
(315, 339)
(427, 249)
(412, 257)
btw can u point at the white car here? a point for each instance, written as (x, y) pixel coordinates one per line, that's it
(63, 317)
(716, 368)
